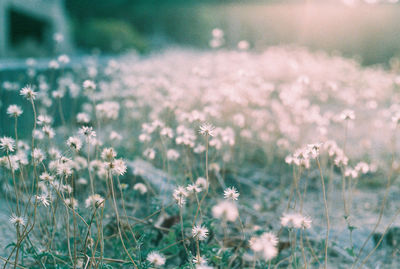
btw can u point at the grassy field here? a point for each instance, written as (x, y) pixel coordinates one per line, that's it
(281, 158)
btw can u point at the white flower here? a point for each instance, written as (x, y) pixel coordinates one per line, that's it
(168, 132)
(200, 232)
(38, 155)
(180, 195)
(16, 220)
(108, 154)
(87, 132)
(71, 202)
(54, 153)
(270, 252)
(115, 136)
(270, 238)
(95, 201)
(89, 85)
(202, 182)
(64, 169)
(37, 134)
(53, 64)
(149, 153)
(200, 260)
(108, 110)
(140, 187)
(46, 177)
(351, 173)
(156, 258)
(144, 138)
(83, 118)
(44, 120)
(28, 93)
(265, 244)
(306, 222)
(347, 114)
(227, 210)
(207, 129)
(67, 188)
(243, 45)
(231, 193)
(193, 188)
(14, 111)
(43, 199)
(64, 59)
(7, 144)
(313, 149)
(295, 220)
(74, 143)
(199, 149)
(118, 167)
(172, 154)
(48, 131)
(362, 167)
(217, 33)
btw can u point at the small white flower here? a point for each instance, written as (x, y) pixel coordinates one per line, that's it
(28, 93)
(217, 33)
(14, 111)
(231, 193)
(118, 167)
(48, 131)
(202, 182)
(87, 132)
(149, 153)
(16, 220)
(295, 220)
(115, 136)
(140, 187)
(156, 258)
(313, 149)
(7, 144)
(193, 188)
(108, 154)
(83, 118)
(207, 129)
(243, 45)
(180, 195)
(225, 210)
(347, 114)
(64, 169)
(38, 155)
(89, 85)
(71, 202)
(199, 260)
(306, 222)
(63, 59)
(95, 201)
(43, 199)
(44, 120)
(200, 232)
(74, 143)
(265, 244)
(172, 154)
(46, 177)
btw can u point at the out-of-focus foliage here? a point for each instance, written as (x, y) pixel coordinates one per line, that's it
(110, 36)
(365, 31)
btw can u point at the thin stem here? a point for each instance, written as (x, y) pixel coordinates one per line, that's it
(326, 213)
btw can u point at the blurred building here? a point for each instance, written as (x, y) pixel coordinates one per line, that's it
(40, 22)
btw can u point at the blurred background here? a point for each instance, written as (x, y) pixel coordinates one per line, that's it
(368, 30)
